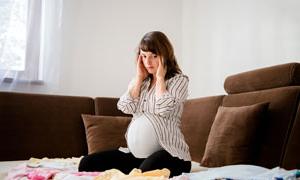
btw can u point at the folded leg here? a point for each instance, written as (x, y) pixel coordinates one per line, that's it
(102, 161)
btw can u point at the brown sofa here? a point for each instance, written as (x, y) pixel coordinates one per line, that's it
(35, 125)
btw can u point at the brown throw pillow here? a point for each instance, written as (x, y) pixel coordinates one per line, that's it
(233, 135)
(105, 132)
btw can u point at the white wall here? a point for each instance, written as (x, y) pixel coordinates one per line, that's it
(212, 39)
(224, 37)
(100, 39)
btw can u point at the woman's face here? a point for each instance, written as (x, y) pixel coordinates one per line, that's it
(150, 61)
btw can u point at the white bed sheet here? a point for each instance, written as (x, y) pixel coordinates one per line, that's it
(244, 172)
(6, 165)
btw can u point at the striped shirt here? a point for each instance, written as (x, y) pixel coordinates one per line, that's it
(163, 112)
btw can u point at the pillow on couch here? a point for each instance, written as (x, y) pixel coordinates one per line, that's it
(233, 135)
(105, 132)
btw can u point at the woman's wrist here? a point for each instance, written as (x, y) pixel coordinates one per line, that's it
(136, 88)
(160, 79)
(134, 92)
(138, 80)
(160, 87)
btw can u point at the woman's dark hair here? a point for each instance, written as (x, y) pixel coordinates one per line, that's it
(158, 43)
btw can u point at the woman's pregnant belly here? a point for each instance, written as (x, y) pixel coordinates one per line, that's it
(141, 138)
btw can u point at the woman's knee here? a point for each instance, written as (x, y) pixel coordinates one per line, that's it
(89, 163)
(96, 161)
(84, 164)
(163, 159)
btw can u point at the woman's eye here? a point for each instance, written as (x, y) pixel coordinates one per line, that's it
(155, 56)
(144, 56)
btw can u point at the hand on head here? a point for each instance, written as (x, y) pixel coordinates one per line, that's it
(141, 73)
(162, 69)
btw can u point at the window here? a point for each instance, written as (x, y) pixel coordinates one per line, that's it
(13, 34)
(30, 32)
(20, 40)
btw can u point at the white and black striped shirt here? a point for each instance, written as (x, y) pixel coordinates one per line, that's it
(164, 112)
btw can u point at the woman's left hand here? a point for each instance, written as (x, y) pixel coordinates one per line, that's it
(161, 70)
(160, 87)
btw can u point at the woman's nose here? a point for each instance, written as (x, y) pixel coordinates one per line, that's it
(147, 60)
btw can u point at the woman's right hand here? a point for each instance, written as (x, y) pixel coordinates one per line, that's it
(141, 71)
(141, 74)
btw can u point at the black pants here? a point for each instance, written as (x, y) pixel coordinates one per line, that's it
(125, 162)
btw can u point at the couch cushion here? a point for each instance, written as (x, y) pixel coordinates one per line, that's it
(264, 78)
(291, 158)
(36, 125)
(233, 134)
(281, 113)
(197, 118)
(105, 132)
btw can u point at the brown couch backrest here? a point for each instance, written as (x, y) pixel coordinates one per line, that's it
(34, 125)
(106, 106)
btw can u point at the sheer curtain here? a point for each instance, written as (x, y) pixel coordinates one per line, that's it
(51, 45)
(42, 49)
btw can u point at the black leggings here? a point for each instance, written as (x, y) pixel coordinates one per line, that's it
(125, 162)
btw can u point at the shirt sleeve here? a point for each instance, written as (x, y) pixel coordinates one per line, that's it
(177, 92)
(126, 103)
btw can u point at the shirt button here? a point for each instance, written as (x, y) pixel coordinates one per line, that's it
(143, 111)
(144, 100)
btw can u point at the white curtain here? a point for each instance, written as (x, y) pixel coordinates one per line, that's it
(42, 51)
(51, 45)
